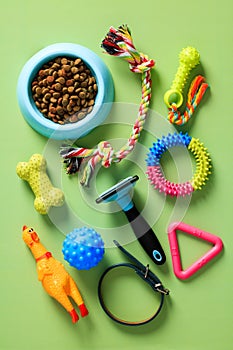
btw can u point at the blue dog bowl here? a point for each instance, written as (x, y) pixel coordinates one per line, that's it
(103, 100)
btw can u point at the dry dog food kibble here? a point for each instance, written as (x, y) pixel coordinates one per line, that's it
(64, 90)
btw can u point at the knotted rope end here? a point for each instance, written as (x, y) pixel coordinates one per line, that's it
(119, 42)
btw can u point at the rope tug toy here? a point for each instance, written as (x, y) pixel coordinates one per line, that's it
(189, 58)
(118, 42)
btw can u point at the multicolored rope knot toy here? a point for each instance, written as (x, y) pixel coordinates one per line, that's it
(155, 173)
(189, 58)
(118, 42)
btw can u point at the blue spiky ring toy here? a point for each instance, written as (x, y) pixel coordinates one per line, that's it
(154, 170)
(83, 248)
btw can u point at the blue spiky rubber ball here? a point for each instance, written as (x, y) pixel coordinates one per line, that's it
(83, 248)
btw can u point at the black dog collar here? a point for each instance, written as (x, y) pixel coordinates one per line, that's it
(146, 275)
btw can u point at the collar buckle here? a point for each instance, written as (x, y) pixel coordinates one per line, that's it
(152, 278)
(159, 287)
(147, 271)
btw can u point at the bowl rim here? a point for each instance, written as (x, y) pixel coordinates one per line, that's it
(103, 100)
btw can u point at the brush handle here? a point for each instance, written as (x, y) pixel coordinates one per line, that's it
(146, 236)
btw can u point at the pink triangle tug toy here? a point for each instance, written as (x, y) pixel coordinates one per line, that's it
(53, 276)
(174, 247)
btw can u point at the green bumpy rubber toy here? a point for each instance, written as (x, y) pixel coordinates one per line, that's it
(34, 172)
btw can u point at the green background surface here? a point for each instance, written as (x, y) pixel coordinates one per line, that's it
(198, 313)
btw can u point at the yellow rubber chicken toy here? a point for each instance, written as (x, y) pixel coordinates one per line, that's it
(53, 276)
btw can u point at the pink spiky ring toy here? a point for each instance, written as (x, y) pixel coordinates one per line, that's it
(154, 171)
